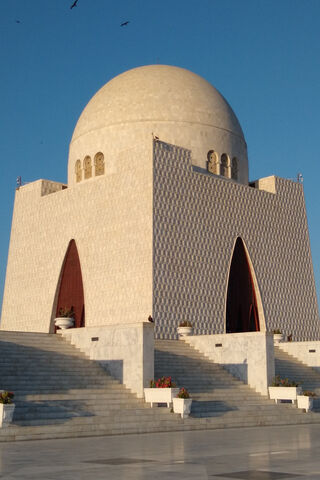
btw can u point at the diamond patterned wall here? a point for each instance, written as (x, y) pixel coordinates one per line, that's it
(196, 220)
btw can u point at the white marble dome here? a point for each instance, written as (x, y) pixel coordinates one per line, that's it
(172, 103)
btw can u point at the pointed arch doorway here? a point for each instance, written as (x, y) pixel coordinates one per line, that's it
(241, 308)
(71, 286)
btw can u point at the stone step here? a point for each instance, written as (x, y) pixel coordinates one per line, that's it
(39, 343)
(68, 376)
(297, 368)
(87, 424)
(46, 392)
(282, 354)
(182, 355)
(295, 374)
(141, 416)
(54, 370)
(76, 357)
(162, 356)
(211, 387)
(73, 406)
(59, 385)
(110, 403)
(39, 353)
(234, 414)
(229, 395)
(208, 374)
(39, 346)
(181, 382)
(75, 394)
(66, 380)
(68, 431)
(220, 405)
(54, 364)
(232, 400)
(299, 375)
(210, 381)
(181, 362)
(24, 417)
(297, 371)
(211, 377)
(33, 344)
(149, 428)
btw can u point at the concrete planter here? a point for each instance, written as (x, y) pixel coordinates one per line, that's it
(185, 331)
(182, 406)
(64, 322)
(284, 393)
(6, 413)
(303, 401)
(278, 337)
(160, 395)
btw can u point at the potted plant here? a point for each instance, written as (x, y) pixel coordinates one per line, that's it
(161, 391)
(305, 400)
(284, 389)
(182, 403)
(65, 318)
(6, 408)
(185, 329)
(277, 336)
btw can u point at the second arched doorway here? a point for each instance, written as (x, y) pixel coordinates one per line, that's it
(241, 306)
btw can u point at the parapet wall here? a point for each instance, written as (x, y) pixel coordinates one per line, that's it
(248, 356)
(126, 350)
(306, 352)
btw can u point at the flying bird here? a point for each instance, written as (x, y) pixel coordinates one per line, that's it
(124, 23)
(74, 4)
(18, 21)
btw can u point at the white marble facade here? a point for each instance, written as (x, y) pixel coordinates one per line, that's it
(138, 188)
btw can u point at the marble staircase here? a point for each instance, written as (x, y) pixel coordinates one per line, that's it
(219, 399)
(288, 366)
(60, 393)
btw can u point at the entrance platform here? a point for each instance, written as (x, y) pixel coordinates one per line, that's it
(270, 453)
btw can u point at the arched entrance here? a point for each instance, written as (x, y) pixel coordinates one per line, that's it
(241, 310)
(71, 287)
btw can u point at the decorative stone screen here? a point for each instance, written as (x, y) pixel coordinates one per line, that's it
(197, 218)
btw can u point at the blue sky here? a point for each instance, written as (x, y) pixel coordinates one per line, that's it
(262, 55)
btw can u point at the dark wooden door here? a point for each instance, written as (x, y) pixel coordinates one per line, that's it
(71, 287)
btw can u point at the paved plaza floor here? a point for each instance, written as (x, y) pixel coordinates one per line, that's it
(265, 453)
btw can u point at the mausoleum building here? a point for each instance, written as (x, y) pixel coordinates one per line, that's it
(159, 218)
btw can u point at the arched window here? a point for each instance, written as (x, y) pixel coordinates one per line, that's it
(234, 168)
(225, 166)
(213, 162)
(87, 167)
(99, 164)
(78, 171)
